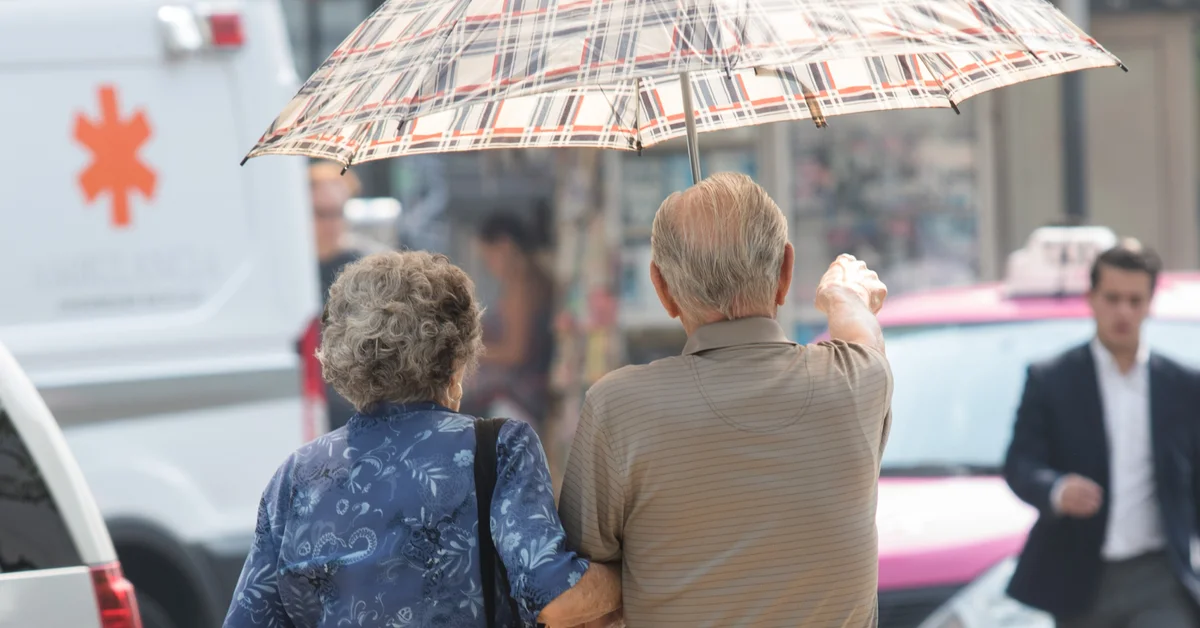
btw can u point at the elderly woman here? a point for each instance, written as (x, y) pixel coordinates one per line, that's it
(375, 523)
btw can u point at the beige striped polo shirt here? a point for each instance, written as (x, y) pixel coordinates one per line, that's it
(736, 482)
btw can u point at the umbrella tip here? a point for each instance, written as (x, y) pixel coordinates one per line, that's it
(244, 160)
(955, 107)
(1122, 66)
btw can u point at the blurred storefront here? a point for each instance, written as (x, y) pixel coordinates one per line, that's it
(899, 190)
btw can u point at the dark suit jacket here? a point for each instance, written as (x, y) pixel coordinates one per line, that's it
(1059, 430)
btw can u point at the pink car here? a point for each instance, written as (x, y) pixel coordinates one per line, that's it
(949, 527)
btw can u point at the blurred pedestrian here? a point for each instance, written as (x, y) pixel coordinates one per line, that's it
(377, 523)
(518, 332)
(330, 191)
(737, 482)
(1107, 447)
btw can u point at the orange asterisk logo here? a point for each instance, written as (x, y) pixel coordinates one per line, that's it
(115, 166)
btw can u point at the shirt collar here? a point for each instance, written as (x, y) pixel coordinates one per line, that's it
(388, 409)
(742, 331)
(1105, 358)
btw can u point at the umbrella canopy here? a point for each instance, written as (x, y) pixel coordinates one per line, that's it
(429, 76)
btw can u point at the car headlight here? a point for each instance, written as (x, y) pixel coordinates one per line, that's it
(984, 604)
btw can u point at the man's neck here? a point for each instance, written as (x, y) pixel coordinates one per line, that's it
(1124, 357)
(328, 256)
(691, 324)
(1125, 361)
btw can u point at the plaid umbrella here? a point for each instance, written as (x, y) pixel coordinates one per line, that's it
(430, 76)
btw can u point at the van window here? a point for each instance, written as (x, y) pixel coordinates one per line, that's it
(32, 533)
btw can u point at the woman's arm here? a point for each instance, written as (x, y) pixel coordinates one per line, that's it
(516, 323)
(597, 594)
(256, 600)
(545, 576)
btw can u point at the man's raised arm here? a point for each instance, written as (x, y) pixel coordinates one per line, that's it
(850, 294)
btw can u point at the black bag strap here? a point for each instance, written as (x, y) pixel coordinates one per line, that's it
(487, 433)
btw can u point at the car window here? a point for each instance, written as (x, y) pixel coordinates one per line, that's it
(33, 534)
(957, 387)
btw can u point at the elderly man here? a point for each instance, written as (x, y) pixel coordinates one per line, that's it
(737, 482)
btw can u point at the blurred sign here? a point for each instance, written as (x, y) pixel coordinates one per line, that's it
(1056, 261)
(373, 223)
(372, 211)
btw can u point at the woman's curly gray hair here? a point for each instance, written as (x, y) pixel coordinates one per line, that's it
(398, 326)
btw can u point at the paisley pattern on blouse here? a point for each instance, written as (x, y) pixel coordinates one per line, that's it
(375, 524)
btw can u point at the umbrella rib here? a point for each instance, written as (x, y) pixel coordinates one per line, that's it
(637, 113)
(810, 98)
(354, 141)
(1089, 39)
(1009, 27)
(613, 105)
(432, 50)
(935, 70)
(418, 82)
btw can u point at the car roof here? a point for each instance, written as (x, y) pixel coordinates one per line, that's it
(1177, 298)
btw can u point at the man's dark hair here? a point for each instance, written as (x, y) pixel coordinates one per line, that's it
(1128, 255)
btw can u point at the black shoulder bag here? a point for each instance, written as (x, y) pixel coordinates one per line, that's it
(487, 432)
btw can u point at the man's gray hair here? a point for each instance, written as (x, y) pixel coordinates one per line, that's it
(397, 327)
(720, 245)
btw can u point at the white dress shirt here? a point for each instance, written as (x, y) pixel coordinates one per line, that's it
(1134, 524)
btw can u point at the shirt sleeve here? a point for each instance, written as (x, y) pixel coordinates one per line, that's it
(868, 376)
(525, 525)
(1056, 492)
(1027, 467)
(592, 503)
(256, 599)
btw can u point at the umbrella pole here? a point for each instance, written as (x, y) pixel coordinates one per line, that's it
(689, 117)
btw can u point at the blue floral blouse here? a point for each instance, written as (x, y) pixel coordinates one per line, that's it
(375, 524)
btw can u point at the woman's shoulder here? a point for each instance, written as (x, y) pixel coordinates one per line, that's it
(519, 449)
(517, 432)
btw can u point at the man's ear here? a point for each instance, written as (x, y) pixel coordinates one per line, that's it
(785, 274)
(664, 293)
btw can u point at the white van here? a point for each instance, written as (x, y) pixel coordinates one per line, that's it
(159, 296)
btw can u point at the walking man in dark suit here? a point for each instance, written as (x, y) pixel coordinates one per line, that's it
(1107, 446)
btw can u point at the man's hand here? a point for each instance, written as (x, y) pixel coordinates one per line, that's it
(615, 619)
(847, 275)
(1078, 496)
(597, 594)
